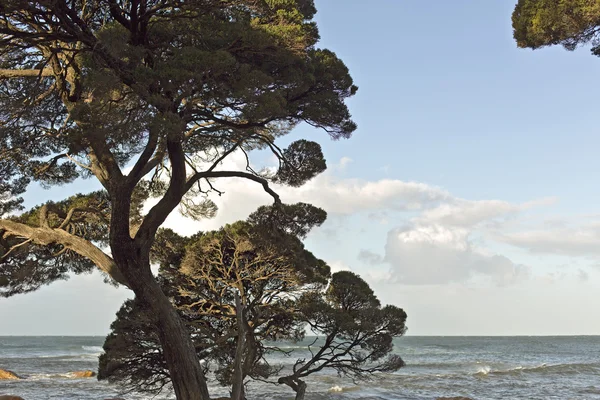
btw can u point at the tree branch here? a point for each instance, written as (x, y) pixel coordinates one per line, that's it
(177, 188)
(234, 174)
(25, 73)
(141, 166)
(46, 236)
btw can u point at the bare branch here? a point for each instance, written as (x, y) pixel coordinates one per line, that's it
(234, 174)
(16, 246)
(45, 236)
(25, 73)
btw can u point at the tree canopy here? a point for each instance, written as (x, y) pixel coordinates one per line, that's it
(150, 97)
(539, 23)
(238, 292)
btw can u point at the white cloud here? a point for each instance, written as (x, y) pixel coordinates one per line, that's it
(342, 164)
(336, 196)
(435, 254)
(580, 241)
(348, 196)
(460, 212)
(435, 246)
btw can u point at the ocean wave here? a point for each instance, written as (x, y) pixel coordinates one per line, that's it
(559, 369)
(36, 377)
(93, 349)
(590, 390)
(342, 389)
(291, 347)
(50, 357)
(484, 370)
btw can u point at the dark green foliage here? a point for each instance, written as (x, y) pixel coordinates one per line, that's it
(358, 332)
(201, 275)
(539, 23)
(350, 293)
(244, 66)
(294, 219)
(10, 188)
(102, 85)
(28, 266)
(302, 160)
(132, 342)
(283, 289)
(168, 89)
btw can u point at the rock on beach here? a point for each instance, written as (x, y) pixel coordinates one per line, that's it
(8, 375)
(83, 374)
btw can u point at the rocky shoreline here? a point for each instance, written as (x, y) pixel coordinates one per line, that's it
(6, 375)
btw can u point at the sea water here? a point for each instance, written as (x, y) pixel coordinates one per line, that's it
(566, 367)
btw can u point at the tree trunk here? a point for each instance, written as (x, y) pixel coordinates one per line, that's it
(297, 385)
(180, 354)
(133, 259)
(301, 390)
(237, 390)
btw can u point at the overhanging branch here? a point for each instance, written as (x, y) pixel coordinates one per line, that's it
(46, 236)
(234, 174)
(24, 73)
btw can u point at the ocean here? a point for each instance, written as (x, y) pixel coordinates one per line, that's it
(563, 367)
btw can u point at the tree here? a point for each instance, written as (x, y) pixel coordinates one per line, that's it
(150, 97)
(539, 23)
(356, 330)
(238, 290)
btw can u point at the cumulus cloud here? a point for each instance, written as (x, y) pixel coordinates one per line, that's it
(348, 196)
(333, 194)
(435, 245)
(342, 164)
(461, 212)
(435, 254)
(580, 241)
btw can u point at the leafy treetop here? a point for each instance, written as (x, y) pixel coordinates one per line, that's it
(539, 23)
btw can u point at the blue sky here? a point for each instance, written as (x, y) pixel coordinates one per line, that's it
(468, 195)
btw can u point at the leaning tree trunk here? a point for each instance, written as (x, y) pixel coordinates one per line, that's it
(297, 385)
(180, 354)
(301, 390)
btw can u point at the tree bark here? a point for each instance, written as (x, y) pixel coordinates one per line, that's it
(237, 390)
(24, 73)
(297, 385)
(47, 235)
(301, 390)
(133, 257)
(180, 354)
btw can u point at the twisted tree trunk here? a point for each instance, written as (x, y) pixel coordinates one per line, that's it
(179, 352)
(133, 259)
(297, 385)
(180, 355)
